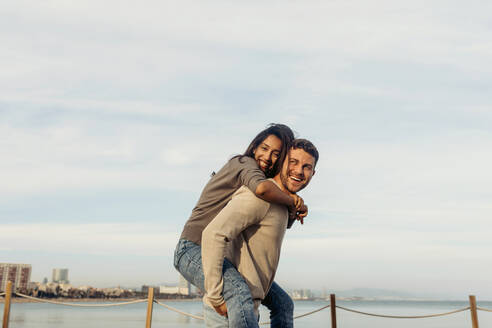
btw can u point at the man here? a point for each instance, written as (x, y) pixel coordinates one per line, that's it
(249, 233)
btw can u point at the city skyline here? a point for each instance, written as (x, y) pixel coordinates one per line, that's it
(19, 274)
(111, 122)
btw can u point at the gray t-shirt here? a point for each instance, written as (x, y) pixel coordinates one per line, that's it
(218, 192)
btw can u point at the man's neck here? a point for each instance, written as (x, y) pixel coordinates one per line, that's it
(280, 184)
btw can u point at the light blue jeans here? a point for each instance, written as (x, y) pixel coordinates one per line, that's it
(213, 319)
(240, 308)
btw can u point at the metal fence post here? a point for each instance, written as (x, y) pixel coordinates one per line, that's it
(6, 305)
(150, 306)
(333, 308)
(473, 311)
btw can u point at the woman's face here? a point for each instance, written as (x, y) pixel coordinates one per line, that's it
(267, 152)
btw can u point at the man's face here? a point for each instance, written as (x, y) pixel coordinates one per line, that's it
(297, 171)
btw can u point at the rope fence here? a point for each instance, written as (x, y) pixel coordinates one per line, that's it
(404, 316)
(150, 300)
(309, 313)
(78, 304)
(178, 311)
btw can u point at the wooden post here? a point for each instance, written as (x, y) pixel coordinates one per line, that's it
(6, 305)
(150, 306)
(473, 311)
(333, 308)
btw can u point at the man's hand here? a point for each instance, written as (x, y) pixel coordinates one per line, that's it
(221, 309)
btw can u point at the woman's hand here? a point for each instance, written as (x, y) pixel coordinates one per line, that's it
(302, 213)
(221, 309)
(298, 202)
(300, 209)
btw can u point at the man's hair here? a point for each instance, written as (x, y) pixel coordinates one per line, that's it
(308, 147)
(281, 131)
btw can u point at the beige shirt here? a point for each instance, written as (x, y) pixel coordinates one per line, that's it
(239, 171)
(249, 232)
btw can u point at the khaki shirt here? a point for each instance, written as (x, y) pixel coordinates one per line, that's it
(249, 232)
(217, 193)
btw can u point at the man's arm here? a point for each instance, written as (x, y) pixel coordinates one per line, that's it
(243, 210)
(268, 191)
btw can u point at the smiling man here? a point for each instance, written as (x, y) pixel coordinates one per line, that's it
(249, 233)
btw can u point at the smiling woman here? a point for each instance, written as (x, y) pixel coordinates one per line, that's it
(268, 152)
(274, 140)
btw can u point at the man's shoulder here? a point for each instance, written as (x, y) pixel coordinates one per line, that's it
(245, 198)
(245, 192)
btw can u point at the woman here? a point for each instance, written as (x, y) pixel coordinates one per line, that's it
(262, 159)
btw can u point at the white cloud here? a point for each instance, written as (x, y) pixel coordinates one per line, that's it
(86, 239)
(72, 153)
(425, 263)
(102, 95)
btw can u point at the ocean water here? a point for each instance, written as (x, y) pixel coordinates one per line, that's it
(41, 315)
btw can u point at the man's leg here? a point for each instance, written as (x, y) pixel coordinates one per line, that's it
(240, 307)
(281, 307)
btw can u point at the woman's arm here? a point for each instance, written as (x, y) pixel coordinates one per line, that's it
(251, 176)
(268, 191)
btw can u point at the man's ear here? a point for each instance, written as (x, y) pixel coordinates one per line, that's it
(314, 171)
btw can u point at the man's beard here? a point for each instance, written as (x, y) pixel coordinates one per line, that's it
(284, 178)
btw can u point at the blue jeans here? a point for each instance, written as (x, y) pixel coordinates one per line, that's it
(281, 307)
(240, 307)
(213, 319)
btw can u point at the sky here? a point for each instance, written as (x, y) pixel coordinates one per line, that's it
(113, 114)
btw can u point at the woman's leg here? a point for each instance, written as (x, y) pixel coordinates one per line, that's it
(281, 307)
(240, 307)
(188, 261)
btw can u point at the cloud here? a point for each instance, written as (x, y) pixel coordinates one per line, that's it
(114, 239)
(71, 152)
(110, 47)
(424, 262)
(112, 96)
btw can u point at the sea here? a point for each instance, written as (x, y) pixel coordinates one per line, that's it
(43, 315)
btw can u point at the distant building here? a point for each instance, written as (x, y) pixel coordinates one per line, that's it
(19, 274)
(168, 290)
(301, 294)
(32, 285)
(325, 293)
(184, 286)
(145, 288)
(60, 276)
